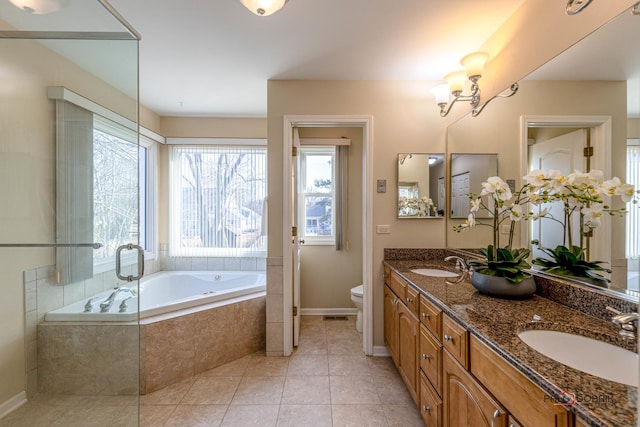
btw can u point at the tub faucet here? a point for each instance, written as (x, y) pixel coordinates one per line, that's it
(106, 304)
(461, 265)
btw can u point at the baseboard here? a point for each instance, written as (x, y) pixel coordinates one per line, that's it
(328, 311)
(381, 351)
(13, 403)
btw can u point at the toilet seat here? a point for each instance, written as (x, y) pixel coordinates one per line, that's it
(357, 291)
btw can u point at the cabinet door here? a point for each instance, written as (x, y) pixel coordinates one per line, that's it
(391, 323)
(466, 403)
(408, 349)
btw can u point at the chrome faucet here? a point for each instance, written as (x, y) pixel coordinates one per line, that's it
(461, 265)
(628, 322)
(106, 304)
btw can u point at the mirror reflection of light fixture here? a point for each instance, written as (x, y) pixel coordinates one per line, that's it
(576, 6)
(404, 156)
(635, 9)
(432, 160)
(473, 64)
(263, 7)
(39, 7)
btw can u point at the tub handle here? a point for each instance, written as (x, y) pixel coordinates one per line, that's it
(130, 247)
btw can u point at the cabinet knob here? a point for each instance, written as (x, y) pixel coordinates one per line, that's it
(409, 299)
(425, 408)
(448, 338)
(426, 356)
(425, 315)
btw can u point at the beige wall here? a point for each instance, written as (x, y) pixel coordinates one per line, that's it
(27, 178)
(497, 130)
(405, 119)
(327, 275)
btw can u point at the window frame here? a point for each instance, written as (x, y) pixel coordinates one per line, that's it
(304, 152)
(147, 192)
(175, 145)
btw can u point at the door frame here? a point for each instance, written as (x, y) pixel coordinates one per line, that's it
(366, 123)
(601, 139)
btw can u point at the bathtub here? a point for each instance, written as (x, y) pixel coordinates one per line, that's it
(166, 292)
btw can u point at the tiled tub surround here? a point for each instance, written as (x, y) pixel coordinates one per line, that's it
(496, 322)
(176, 347)
(80, 358)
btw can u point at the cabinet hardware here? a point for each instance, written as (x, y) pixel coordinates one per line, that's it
(425, 408)
(448, 338)
(495, 417)
(426, 356)
(425, 315)
(409, 299)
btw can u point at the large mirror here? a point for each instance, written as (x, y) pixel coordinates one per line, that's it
(421, 185)
(590, 92)
(468, 172)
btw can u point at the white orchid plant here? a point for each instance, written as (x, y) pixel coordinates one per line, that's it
(587, 196)
(414, 206)
(582, 194)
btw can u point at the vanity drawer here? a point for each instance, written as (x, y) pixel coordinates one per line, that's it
(518, 394)
(430, 404)
(412, 300)
(455, 340)
(398, 285)
(431, 317)
(431, 359)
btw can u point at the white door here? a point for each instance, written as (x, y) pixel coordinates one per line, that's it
(295, 241)
(563, 153)
(460, 188)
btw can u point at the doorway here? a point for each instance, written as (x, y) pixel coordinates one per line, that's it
(291, 243)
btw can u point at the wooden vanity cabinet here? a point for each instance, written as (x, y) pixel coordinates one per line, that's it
(525, 400)
(455, 339)
(466, 402)
(431, 359)
(430, 404)
(391, 323)
(408, 349)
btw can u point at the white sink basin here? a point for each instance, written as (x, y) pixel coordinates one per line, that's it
(434, 272)
(585, 354)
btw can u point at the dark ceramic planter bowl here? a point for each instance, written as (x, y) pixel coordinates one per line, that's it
(501, 287)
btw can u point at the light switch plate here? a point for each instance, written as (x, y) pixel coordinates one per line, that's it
(383, 229)
(382, 186)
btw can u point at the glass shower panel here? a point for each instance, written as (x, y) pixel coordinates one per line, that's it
(69, 198)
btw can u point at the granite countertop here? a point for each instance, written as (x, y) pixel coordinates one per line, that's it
(497, 321)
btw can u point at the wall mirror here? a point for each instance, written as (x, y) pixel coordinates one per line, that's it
(468, 172)
(421, 185)
(591, 90)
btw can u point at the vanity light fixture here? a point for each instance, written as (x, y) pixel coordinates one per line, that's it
(635, 9)
(432, 160)
(473, 64)
(263, 7)
(39, 7)
(404, 156)
(576, 6)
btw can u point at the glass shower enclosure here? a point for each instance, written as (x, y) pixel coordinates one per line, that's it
(71, 238)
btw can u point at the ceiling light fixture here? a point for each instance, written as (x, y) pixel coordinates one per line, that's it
(473, 69)
(38, 7)
(263, 7)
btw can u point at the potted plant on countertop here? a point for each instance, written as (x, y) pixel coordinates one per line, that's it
(582, 197)
(502, 272)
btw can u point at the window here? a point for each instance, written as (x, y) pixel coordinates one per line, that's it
(317, 194)
(217, 201)
(122, 189)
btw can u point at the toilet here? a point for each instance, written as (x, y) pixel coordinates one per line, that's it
(356, 299)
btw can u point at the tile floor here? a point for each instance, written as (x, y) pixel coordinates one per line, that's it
(328, 381)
